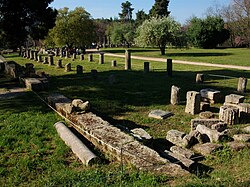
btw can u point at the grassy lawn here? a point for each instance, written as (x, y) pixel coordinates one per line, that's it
(32, 154)
(231, 56)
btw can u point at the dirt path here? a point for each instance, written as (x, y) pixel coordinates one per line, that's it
(183, 62)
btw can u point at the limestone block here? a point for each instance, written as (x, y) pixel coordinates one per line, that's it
(182, 151)
(207, 148)
(127, 60)
(204, 106)
(206, 115)
(242, 137)
(67, 67)
(242, 85)
(220, 127)
(213, 135)
(90, 57)
(159, 114)
(175, 95)
(229, 115)
(175, 137)
(246, 129)
(211, 95)
(193, 102)
(236, 145)
(141, 135)
(33, 84)
(199, 78)
(207, 122)
(113, 63)
(234, 99)
(79, 104)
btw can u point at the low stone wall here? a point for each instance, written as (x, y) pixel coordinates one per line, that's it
(113, 142)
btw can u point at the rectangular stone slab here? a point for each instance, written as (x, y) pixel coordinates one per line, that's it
(159, 114)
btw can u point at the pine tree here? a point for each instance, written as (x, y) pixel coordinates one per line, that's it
(159, 9)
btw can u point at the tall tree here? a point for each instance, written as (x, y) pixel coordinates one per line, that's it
(73, 28)
(141, 16)
(157, 32)
(127, 10)
(159, 9)
(22, 18)
(207, 33)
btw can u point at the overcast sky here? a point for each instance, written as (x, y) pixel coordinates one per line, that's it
(181, 10)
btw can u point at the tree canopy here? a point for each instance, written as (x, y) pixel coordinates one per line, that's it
(207, 33)
(157, 32)
(73, 28)
(127, 10)
(22, 18)
(159, 9)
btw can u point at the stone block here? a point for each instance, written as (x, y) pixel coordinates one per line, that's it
(79, 69)
(207, 122)
(33, 84)
(127, 60)
(242, 137)
(68, 67)
(199, 78)
(213, 135)
(175, 95)
(182, 151)
(220, 127)
(193, 102)
(206, 115)
(234, 99)
(175, 137)
(242, 85)
(204, 106)
(211, 95)
(113, 63)
(207, 148)
(159, 114)
(236, 145)
(80, 105)
(229, 115)
(246, 129)
(141, 135)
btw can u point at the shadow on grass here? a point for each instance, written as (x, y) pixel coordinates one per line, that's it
(132, 50)
(197, 54)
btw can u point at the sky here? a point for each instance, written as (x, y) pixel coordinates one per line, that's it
(181, 10)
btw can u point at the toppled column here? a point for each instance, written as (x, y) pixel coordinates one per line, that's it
(242, 85)
(146, 67)
(193, 102)
(175, 95)
(229, 115)
(199, 78)
(82, 151)
(213, 135)
(127, 60)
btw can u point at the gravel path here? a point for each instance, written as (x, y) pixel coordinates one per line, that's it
(183, 62)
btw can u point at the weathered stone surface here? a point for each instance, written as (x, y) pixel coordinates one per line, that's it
(101, 58)
(199, 137)
(68, 67)
(242, 137)
(234, 99)
(207, 122)
(220, 127)
(81, 105)
(51, 60)
(159, 114)
(244, 111)
(242, 85)
(182, 151)
(146, 67)
(175, 95)
(204, 106)
(113, 63)
(188, 141)
(213, 135)
(175, 137)
(127, 60)
(79, 69)
(59, 64)
(114, 143)
(90, 57)
(193, 102)
(246, 129)
(74, 56)
(206, 115)
(199, 78)
(236, 145)
(141, 135)
(179, 159)
(229, 115)
(33, 84)
(207, 148)
(211, 95)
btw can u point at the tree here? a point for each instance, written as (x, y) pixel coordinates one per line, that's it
(73, 28)
(237, 18)
(126, 14)
(141, 16)
(207, 33)
(22, 18)
(159, 9)
(122, 34)
(157, 32)
(101, 26)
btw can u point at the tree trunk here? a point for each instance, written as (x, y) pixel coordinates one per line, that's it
(162, 48)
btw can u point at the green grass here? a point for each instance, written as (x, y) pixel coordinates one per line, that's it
(231, 56)
(32, 154)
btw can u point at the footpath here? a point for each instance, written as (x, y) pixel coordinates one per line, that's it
(183, 62)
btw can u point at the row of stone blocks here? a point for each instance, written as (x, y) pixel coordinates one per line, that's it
(114, 142)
